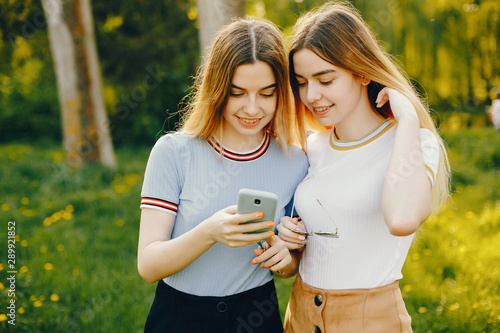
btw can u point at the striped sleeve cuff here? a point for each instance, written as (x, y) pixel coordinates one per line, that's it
(159, 204)
(430, 175)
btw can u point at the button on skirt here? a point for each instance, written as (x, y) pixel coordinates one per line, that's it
(371, 310)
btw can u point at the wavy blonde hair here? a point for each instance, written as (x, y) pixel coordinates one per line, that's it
(337, 33)
(243, 41)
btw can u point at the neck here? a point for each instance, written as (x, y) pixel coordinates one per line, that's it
(359, 123)
(357, 130)
(241, 143)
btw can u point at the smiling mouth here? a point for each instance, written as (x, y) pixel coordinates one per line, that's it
(321, 110)
(249, 122)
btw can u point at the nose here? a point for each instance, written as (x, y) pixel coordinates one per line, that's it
(313, 93)
(251, 108)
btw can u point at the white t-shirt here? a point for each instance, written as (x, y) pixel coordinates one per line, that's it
(347, 178)
(495, 113)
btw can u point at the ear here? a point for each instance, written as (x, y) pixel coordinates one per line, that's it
(365, 81)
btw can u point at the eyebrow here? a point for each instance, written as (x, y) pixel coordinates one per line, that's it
(327, 71)
(269, 86)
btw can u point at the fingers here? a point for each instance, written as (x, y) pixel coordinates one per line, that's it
(240, 218)
(401, 105)
(252, 227)
(382, 97)
(231, 209)
(275, 258)
(286, 232)
(237, 239)
(236, 230)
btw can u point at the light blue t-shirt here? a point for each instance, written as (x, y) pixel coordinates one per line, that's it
(189, 177)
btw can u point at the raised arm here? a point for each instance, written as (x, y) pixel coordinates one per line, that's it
(406, 197)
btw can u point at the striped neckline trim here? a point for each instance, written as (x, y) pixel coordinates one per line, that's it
(242, 157)
(336, 144)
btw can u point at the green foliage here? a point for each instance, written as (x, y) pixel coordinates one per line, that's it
(148, 51)
(448, 48)
(135, 39)
(475, 164)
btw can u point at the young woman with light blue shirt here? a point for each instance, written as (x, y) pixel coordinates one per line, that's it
(237, 133)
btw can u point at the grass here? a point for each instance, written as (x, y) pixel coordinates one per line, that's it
(76, 241)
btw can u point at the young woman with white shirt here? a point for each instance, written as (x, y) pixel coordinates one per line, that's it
(236, 134)
(377, 169)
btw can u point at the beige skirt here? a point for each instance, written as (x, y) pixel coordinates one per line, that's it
(316, 310)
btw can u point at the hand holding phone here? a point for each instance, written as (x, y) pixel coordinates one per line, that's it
(252, 201)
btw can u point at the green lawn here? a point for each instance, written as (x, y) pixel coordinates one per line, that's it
(76, 242)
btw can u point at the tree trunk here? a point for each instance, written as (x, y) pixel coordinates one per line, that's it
(85, 126)
(213, 14)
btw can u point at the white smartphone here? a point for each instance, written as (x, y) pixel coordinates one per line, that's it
(252, 201)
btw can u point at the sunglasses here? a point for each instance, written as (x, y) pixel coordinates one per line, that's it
(319, 233)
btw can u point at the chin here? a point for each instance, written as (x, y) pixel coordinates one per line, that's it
(326, 123)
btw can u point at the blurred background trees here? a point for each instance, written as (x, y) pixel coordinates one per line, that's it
(85, 127)
(149, 51)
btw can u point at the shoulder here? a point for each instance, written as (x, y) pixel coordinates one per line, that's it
(427, 138)
(296, 152)
(317, 138)
(293, 154)
(174, 139)
(175, 142)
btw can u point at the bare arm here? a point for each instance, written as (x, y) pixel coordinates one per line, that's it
(160, 256)
(406, 196)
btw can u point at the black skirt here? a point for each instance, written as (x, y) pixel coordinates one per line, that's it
(252, 311)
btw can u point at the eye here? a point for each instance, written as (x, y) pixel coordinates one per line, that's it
(325, 83)
(235, 94)
(268, 94)
(301, 84)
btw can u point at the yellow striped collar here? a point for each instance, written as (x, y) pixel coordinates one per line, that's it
(336, 144)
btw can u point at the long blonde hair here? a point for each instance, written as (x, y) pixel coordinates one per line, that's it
(337, 33)
(243, 41)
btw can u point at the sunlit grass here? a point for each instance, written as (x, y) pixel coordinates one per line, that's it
(76, 242)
